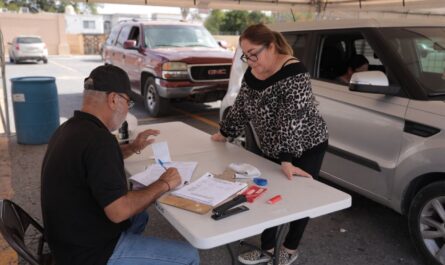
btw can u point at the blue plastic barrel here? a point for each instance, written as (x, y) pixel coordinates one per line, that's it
(36, 108)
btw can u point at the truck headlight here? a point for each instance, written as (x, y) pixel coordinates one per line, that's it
(174, 70)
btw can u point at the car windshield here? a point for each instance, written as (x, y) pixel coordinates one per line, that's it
(29, 40)
(423, 52)
(157, 36)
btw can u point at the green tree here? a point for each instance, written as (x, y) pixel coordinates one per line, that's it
(92, 8)
(214, 21)
(256, 17)
(46, 5)
(234, 21)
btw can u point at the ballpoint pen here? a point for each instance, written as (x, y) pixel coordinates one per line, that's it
(162, 164)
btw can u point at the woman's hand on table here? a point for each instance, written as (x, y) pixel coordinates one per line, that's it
(217, 137)
(290, 171)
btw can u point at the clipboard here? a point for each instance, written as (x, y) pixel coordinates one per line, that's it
(185, 204)
(191, 205)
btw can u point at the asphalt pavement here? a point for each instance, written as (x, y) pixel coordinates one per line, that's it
(367, 233)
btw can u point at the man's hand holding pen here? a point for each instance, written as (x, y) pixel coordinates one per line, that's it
(171, 176)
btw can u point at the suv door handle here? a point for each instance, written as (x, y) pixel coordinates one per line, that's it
(123, 56)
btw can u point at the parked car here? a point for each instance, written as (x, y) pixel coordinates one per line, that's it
(24, 48)
(169, 60)
(387, 128)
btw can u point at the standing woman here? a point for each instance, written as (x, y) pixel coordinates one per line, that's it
(276, 97)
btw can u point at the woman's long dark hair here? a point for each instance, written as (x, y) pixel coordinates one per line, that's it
(262, 35)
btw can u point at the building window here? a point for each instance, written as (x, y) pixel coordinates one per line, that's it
(89, 24)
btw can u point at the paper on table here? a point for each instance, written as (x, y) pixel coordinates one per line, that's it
(154, 171)
(161, 152)
(209, 190)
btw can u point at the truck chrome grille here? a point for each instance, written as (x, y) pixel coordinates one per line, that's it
(210, 72)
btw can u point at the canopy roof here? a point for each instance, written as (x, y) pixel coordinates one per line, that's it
(294, 5)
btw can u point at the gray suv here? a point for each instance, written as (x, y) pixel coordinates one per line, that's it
(387, 139)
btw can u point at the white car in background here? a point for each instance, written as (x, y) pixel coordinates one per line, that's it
(387, 128)
(25, 48)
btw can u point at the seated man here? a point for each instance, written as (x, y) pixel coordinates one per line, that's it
(89, 215)
(357, 63)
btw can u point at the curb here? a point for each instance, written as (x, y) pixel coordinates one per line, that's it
(7, 255)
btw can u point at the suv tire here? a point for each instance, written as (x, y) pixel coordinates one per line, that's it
(427, 213)
(154, 104)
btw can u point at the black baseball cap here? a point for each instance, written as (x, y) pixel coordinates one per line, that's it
(108, 78)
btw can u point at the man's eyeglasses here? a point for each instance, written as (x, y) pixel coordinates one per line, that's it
(130, 102)
(253, 57)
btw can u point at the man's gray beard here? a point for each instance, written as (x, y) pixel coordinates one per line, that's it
(118, 118)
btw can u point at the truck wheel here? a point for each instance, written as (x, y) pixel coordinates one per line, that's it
(426, 221)
(154, 104)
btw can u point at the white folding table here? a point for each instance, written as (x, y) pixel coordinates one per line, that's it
(301, 197)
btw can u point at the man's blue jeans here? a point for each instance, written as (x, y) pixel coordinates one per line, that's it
(133, 248)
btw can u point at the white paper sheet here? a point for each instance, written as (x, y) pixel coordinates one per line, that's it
(154, 171)
(161, 152)
(209, 190)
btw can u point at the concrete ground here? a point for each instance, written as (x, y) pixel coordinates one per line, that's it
(367, 233)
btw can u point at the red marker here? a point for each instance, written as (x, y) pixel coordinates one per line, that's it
(274, 200)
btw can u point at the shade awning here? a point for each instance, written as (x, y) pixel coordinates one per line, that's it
(294, 5)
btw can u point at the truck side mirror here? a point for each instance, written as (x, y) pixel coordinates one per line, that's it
(223, 44)
(130, 44)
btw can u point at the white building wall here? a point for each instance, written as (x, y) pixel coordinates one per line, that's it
(84, 24)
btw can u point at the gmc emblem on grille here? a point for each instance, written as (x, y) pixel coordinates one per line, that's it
(217, 72)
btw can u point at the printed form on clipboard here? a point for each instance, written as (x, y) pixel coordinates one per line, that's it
(209, 190)
(153, 172)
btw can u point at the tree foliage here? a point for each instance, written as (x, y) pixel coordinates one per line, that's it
(233, 22)
(214, 20)
(45, 5)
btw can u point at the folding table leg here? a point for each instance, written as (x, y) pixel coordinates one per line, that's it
(279, 239)
(233, 256)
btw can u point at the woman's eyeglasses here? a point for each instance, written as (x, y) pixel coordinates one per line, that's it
(253, 57)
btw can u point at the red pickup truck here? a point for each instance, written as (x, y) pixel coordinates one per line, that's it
(169, 60)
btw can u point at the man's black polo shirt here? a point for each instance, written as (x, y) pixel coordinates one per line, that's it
(82, 172)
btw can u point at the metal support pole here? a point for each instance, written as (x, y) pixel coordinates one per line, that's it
(293, 15)
(4, 116)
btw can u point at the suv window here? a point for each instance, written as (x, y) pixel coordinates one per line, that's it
(134, 35)
(123, 36)
(298, 43)
(337, 49)
(113, 35)
(422, 50)
(178, 36)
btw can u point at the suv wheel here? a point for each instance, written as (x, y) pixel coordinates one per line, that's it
(45, 60)
(154, 104)
(427, 222)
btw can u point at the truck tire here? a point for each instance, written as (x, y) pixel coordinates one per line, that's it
(155, 105)
(426, 220)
